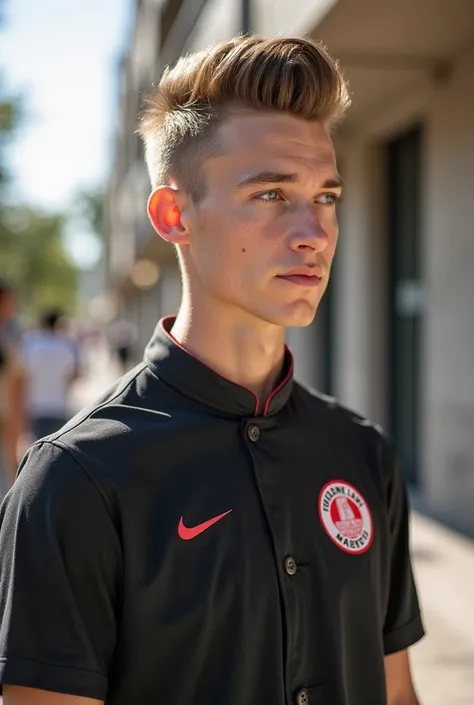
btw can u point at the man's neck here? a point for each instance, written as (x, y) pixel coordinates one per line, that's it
(245, 352)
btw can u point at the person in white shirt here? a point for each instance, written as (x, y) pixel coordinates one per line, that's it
(51, 361)
(12, 389)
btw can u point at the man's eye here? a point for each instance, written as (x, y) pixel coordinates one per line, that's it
(328, 199)
(269, 196)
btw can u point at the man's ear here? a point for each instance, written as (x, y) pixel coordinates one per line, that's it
(165, 215)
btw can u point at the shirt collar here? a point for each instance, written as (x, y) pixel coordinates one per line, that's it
(192, 378)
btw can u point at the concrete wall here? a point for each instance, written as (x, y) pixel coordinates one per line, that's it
(360, 321)
(271, 17)
(449, 258)
(219, 20)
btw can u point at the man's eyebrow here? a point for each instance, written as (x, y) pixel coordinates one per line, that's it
(268, 177)
(272, 177)
(336, 182)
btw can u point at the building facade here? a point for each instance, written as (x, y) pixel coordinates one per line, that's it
(395, 336)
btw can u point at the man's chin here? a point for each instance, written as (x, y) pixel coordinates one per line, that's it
(297, 315)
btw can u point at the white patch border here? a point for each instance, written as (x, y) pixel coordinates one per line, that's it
(366, 517)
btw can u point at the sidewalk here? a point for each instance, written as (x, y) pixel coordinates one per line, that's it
(443, 662)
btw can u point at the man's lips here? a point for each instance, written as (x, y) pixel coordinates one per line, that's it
(304, 276)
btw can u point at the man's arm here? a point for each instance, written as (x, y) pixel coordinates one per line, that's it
(17, 695)
(403, 625)
(400, 688)
(60, 581)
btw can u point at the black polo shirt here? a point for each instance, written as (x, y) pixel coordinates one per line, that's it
(177, 544)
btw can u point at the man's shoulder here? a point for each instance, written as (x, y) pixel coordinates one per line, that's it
(95, 449)
(107, 437)
(337, 416)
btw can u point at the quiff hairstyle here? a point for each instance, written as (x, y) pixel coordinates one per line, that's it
(181, 116)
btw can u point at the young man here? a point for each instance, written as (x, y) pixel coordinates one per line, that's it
(212, 533)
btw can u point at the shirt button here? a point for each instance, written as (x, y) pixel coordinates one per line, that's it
(290, 567)
(253, 432)
(302, 697)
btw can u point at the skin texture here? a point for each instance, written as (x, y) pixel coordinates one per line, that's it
(16, 695)
(234, 245)
(400, 688)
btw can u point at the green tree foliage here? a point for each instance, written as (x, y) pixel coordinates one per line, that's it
(32, 254)
(34, 258)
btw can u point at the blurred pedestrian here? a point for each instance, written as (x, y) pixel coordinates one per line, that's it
(51, 363)
(122, 336)
(212, 532)
(12, 388)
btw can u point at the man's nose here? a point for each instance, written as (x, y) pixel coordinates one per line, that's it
(308, 233)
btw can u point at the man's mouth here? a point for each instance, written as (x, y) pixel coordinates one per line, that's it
(303, 276)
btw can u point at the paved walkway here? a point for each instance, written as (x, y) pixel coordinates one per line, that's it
(443, 662)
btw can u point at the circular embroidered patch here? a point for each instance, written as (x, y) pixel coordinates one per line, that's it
(345, 516)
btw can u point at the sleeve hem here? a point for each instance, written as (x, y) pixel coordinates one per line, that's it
(400, 639)
(58, 679)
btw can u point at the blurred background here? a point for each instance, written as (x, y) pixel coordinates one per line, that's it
(395, 335)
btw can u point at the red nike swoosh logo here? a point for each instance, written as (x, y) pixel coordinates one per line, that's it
(187, 533)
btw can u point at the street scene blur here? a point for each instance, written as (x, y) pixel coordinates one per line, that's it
(84, 278)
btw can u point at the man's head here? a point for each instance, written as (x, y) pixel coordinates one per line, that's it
(244, 175)
(52, 319)
(7, 301)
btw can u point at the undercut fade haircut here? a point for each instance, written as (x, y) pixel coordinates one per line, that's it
(181, 116)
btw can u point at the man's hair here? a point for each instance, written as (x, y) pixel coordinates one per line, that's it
(288, 74)
(51, 318)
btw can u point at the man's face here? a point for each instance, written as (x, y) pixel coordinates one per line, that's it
(263, 238)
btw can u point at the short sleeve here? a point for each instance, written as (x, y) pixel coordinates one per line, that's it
(403, 624)
(60, 578)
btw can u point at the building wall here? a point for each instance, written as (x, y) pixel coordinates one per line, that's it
(360, 325)
(219, 20)
(271, 17)
(449, 257)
